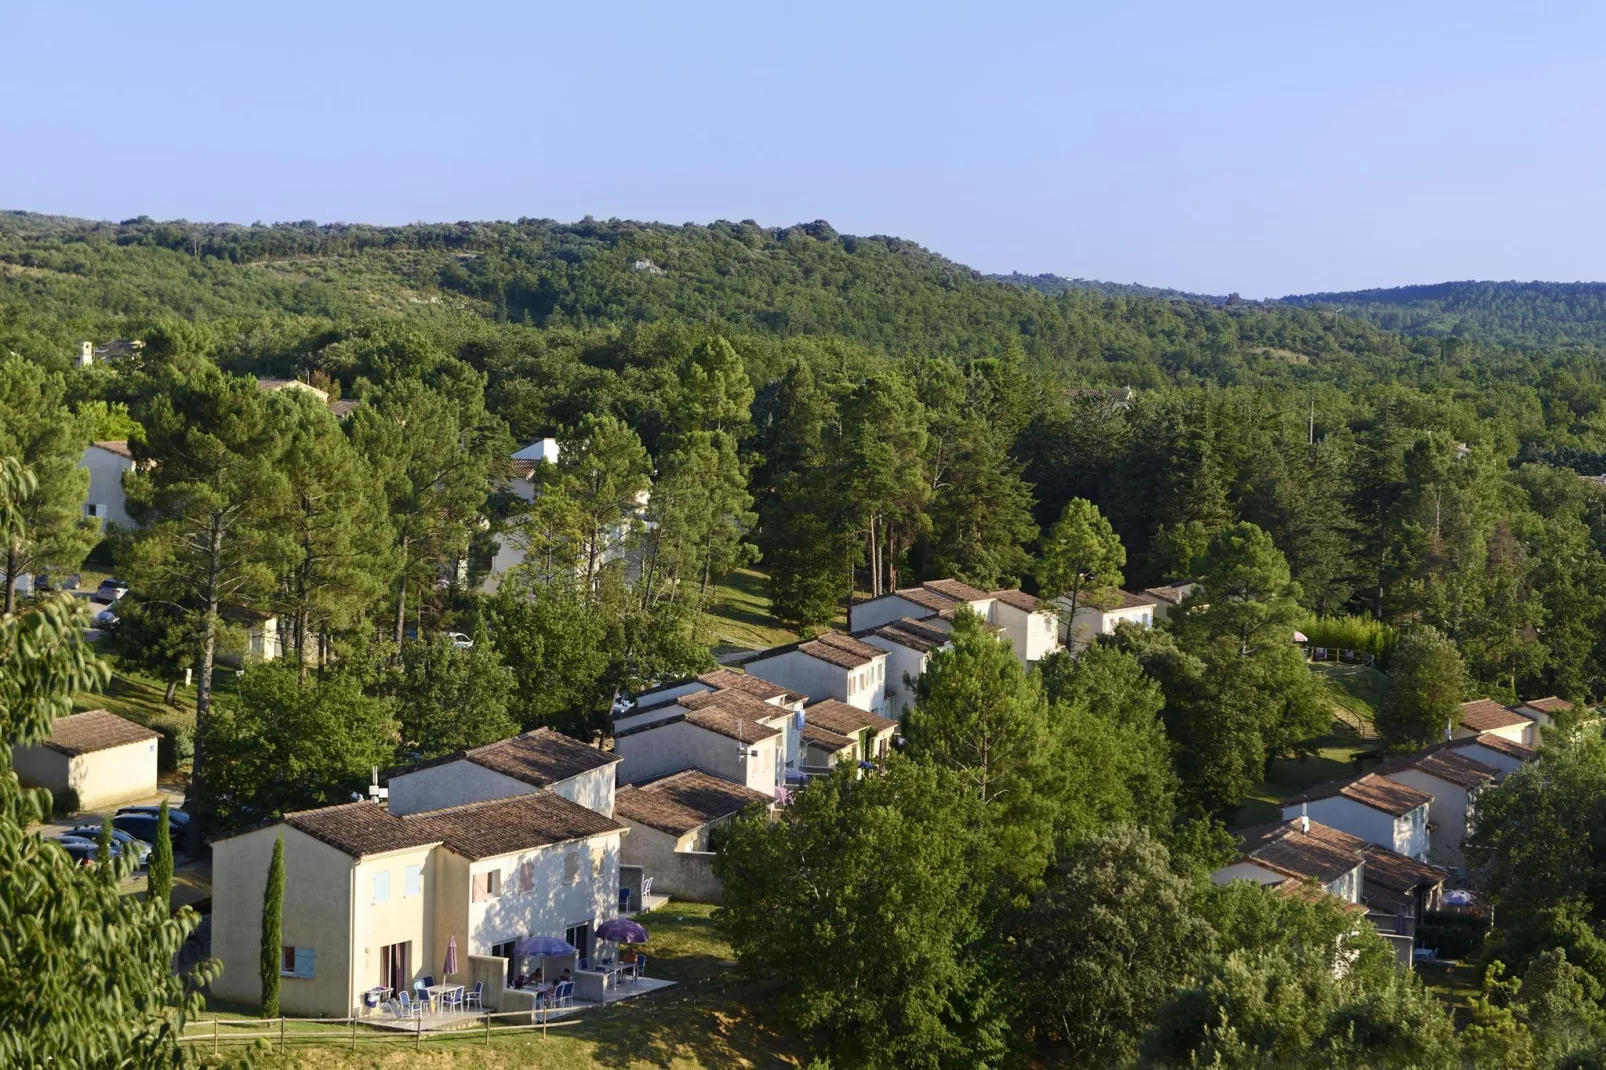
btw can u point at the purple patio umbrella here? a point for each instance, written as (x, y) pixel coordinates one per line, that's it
(542, 946)
(622, 931)
(450, 966)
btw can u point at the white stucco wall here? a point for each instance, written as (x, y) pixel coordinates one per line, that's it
(667, 694)
(875, 612)
(1247, 871)
(450, 784)
(1033, 635)
(1526, 733)
(317, 914)
(554, 904)
(1447, 812)
(677, 746)
(1090, 623)
(1408, 835)
(592, 789)
(1347, 887)
(901, 662)
(1494, 759)
(106, 485)
(863, 687)
(401, 919)
(681, 866)
(102, 779)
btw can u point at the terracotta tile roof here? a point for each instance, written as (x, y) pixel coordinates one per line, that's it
(505, 826)
(94, 730)
(1172, 595)
(1549, 705)
(741, 681)
(732, 701)
(683, 801)
(1296, 888)
(359, 828)
(720, 720)
(524, 469)
(1133, 601)
(911, 633)
(344, 407)
(1394, 871)
(841, 650)
(1447, 764)
(1019, 599)
(843, 719)
(824, 737)
(957, 590)
(1324, 853)
(1372, 790)
(117, 446)
(1503, 745)
(540, 758)
(1485, 715)
(932, 600)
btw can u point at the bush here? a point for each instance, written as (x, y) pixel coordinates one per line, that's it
(1453, 936)
(176, 746)
(64, 802)
(1352, 633)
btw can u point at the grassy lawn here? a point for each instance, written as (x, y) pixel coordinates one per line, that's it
(707, 1020)
(1355, 690)
(740, 615)
(1455, 983)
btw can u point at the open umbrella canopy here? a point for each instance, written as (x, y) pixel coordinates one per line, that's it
(450, 966)
(622, 931)
(543, 945)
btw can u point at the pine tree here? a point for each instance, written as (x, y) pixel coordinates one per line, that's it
(1081, 560)
(272, 958)
(159, 874)
(37, 429)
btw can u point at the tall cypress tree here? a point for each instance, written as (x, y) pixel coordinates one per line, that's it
(103, 849)
(159, 878)
(273, 931)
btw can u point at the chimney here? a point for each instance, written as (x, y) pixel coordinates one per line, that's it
(86, 354)
(1304, 820)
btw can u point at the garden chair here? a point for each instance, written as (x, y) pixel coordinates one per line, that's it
(475, 997)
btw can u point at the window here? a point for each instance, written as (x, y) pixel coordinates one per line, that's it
(91, 509)
(527, 876)
(579, 938)
(414, 881)
(482, 885)
(505, 951)
(493, 883)
(296, 962)
(571, 868)
(382, 887)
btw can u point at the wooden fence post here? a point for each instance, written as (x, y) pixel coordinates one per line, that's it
(418, 1032)
(281, 1036)
(487, 1030)
(214, 1036)
(353, 1032)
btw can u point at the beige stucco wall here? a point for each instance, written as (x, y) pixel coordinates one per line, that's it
(404, 918)
(102, 779)
(680, 866)
(317, 914)
(450, 784)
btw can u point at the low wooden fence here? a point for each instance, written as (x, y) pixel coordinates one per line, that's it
(327, 1032)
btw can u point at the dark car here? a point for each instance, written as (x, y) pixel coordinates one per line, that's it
(120, 840)
(84, 852)
(143, 827)
(176, 819)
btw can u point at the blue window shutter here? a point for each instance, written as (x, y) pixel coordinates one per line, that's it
(304, 962)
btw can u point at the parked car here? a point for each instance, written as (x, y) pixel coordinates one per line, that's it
(125, 841)
(143, 827)
(53, 580)
(175, 818)
(106, 617)
(84, 852)
(110, 590)
(460, 641)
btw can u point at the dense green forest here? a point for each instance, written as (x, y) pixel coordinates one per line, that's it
(1500, 313)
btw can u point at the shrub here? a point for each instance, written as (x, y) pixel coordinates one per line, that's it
(176, 746)
(64, 802)
(1352, 633)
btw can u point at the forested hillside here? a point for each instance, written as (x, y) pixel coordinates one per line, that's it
(1500, 313)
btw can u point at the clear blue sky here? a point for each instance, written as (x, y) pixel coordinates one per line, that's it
(1265, 148)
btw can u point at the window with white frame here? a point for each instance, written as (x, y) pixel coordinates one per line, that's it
(382, 887)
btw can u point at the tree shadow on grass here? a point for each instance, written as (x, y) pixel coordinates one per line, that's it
(718, 1021)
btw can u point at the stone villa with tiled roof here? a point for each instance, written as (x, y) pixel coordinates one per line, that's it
(97, 757)
(1373, 807)
(1484, 715)
(1092, 620)
(671, 820)
(1031, 628)
(1453, 778)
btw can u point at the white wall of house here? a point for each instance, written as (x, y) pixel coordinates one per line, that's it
(450, 784)
(318, 913)
(106, 500)
(101, 778)
(1090, 623)
(667, 694)
(576, 883)
(1449, 812)
(680, 866)
(1526, 733)
(1034, 635)
(1347, 887)
(875, 612)
(904, 668)
(1407, 835)
(592, 789)
(864, 687)
(1494, 759)
(1247, 871)
(682, 745)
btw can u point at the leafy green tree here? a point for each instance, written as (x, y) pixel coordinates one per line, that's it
(449, 698)
(335, 524)
(603, 470)
(78, 924)
(37, 429)
(704, 481)
(283, 744)
(1422, 696)
(159, 874)
(811, 902)
(556, 642)
(1114, 933)
(881, 475)
(103, 841)
(272, 942)
(978, 715)
(210, 499)
(718, 393)
(1081, 560)
(160, 639)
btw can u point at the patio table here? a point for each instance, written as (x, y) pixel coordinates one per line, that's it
(435, 992)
